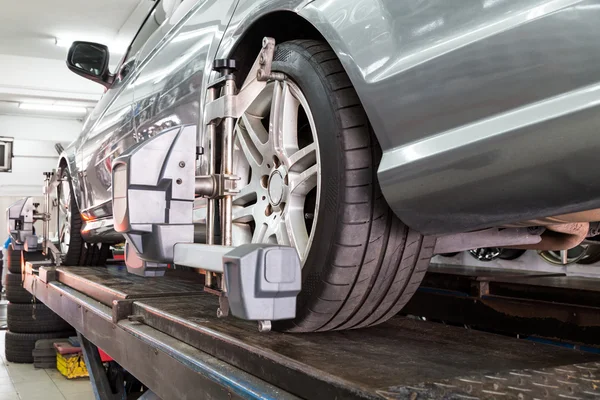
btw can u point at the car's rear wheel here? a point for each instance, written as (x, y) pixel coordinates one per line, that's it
(74, 249)
(308, 164)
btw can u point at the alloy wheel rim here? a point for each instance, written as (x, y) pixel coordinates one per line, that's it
(64, 216)
(573, 255)
(276, 155)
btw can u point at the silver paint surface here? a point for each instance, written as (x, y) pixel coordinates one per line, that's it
(486, 110)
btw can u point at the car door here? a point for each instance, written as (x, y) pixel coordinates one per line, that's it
(97, 148)
(112, 132)
(178, 64)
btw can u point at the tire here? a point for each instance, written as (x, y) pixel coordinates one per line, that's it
(511, 254)
(34, 318)
(592, 255)
(25, 256)
(94, 255)
(79, 252)
(13, 260)
(449, 254)
(15, 293)
(19, 346)
(364, 264)
(68, 204)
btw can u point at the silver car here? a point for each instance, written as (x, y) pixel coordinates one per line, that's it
(393, 122)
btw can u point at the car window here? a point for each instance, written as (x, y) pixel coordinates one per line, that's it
(152, 23)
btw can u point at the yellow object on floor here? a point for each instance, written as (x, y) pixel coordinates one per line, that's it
(71, 365)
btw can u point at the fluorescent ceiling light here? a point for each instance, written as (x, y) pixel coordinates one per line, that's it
(116, 47)
(66, 43)
(53, 108)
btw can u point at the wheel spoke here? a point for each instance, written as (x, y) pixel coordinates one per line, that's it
(259, 233)
(64, 215)
(302, 183)
(296, 230)
(256, 131)
(246, 195)
(62, 233)
(63, 209)
(284, 120)
(289, 121)
(248, 147)
(282, 234)
(243, 214)
(303, 158)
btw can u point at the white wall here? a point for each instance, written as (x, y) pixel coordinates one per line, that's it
(41, 77)
(34, 154)
(36, 80)
(33, 150)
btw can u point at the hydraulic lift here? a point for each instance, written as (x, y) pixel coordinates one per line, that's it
(165, 332)
(166, 327)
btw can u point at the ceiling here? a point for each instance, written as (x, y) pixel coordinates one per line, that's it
(30, 27)
(32, 67)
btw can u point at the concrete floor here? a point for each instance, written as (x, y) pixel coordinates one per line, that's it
(24, 382)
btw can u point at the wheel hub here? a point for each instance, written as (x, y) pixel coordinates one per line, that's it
(275, 188)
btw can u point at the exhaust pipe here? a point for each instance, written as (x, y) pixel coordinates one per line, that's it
(560, 237)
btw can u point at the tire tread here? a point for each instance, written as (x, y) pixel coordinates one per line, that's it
(15, 293)
(19, 346)
(370, 279)
(34, 318)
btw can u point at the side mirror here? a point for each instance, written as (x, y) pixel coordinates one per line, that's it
(90, 60)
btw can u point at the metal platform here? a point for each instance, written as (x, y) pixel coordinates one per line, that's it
(550, 305)
(114, 283)
(175, 345)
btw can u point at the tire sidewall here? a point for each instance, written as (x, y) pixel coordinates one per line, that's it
(295, 62)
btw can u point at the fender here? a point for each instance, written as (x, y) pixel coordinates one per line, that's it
(461, 96)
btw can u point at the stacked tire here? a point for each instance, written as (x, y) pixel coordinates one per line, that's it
(28, 320)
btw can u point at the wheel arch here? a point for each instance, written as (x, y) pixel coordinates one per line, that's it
(64, 161)
(286, 20)
(282, 25)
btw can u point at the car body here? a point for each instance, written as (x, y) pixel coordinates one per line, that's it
(486, 110)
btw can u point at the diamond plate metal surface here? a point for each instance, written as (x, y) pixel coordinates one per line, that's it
(577, 381)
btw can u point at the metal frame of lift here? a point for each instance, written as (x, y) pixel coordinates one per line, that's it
(154, 185)
(169, 367)
(170, 339)
(177, 354)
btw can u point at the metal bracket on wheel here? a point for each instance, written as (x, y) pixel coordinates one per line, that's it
(265, 60)
(154, 186)
(262, 280)
(20, 218)
(233, 105)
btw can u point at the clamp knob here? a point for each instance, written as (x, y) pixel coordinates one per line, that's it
(224, 64)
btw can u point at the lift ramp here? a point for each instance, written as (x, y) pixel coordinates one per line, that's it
(166, 333)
